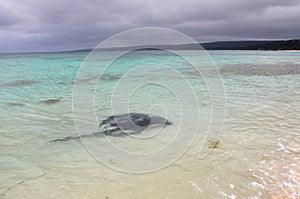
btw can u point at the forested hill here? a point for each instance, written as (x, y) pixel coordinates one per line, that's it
(253, 45)
(221, 45)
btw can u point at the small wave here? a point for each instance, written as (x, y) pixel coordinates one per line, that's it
(104, 77)
(15, 104)
(278, 173)
(50, 101)
(62, 83)
(18, 83)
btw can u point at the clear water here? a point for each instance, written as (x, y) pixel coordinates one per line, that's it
(258, 155)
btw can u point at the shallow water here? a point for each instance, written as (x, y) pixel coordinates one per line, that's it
(258, 154)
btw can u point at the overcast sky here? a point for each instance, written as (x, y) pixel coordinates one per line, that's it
(51, 25)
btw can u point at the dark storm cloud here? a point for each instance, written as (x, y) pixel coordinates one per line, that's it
(32, 25)
(7, 19)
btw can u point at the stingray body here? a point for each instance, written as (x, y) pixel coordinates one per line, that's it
(125, 124)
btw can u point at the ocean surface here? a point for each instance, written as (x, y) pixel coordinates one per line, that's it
(257, 154)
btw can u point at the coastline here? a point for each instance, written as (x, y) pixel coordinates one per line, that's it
(288, 51)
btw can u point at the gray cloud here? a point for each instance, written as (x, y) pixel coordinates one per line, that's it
(50, 25)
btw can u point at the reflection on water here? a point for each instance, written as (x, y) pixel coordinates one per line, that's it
(258, 154)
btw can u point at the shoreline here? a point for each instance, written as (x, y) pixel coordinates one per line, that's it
(288, 51)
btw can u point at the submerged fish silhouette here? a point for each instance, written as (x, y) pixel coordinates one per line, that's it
(125, 124)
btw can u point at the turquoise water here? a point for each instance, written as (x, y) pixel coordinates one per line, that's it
(257, 155)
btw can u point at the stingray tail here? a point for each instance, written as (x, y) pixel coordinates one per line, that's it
(63, 139)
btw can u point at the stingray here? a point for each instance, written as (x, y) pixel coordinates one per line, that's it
(124, 125)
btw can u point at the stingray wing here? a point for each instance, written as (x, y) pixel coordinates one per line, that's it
(125, 124)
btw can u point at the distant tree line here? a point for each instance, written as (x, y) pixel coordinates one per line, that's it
(254, 45)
